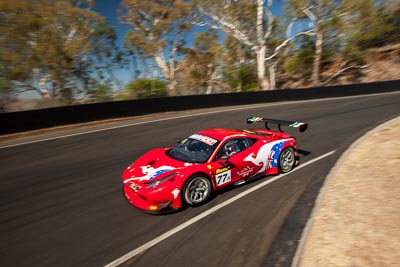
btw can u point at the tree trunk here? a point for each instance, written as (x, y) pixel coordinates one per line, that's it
(272, 77)
(209, 78)
(168, 72)
(171, 88)
(262, 79)
(317, 59)
(262, 48)
(171, 80)
(42, 88)
(239, 87)
(41, 81)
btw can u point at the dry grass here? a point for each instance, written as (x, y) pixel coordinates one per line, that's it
(357, 221)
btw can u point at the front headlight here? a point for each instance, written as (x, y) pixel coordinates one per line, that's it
(155, 183)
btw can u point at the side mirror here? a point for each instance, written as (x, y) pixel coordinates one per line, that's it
(225, 157)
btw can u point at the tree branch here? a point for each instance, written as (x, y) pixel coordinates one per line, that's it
(160, 59)
(343, 70)
(284, 43)
(270, 23)
(26, 88)
(228, 27)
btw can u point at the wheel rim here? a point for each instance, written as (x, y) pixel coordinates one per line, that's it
(198, 190)
(287, 160)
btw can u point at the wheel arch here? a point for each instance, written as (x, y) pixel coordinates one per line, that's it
(203, 174)
(198, 173)
(295, 159)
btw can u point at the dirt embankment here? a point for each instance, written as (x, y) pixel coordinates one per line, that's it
(356, 221)
(382, 64)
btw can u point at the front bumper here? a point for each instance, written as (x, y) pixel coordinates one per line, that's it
(152, 201)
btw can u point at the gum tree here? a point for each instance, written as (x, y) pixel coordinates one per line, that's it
(44, 42)
(323, 16)
(158, 28)
(251, 23)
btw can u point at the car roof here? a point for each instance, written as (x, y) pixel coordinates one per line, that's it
(221, 133)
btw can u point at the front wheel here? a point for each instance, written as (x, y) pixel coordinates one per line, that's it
(196, 190)
(287, 160)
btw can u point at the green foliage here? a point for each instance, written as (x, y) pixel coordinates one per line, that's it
(200, 62)
(301, 55)
(242, 78)
(370, 25)
(63, 44)
(240, 13)
(102, 92)
(236, 53)
(106, 53)
(239, 69)
(5, 86)
(44, 41)
(145, 88)
(157, 29)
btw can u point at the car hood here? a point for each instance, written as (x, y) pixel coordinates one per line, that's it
(152, 166)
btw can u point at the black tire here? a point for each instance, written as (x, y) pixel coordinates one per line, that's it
(287, 160)
(197, 190)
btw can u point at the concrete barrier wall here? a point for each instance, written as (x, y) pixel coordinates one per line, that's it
(13, 122)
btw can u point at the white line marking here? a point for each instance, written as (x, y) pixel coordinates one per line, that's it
(197, 218)
(191, 115)
(132, 124)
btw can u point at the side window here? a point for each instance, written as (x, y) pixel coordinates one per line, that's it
(234, 146)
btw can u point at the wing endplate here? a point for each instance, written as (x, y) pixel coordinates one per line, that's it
(302, 126)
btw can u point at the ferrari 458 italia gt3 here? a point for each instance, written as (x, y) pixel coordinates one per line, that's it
(207, 161)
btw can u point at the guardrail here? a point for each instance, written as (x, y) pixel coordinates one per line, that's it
(13, 122)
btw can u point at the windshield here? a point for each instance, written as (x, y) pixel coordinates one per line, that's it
(196, 149)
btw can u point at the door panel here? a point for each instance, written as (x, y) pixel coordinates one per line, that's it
(230, 165)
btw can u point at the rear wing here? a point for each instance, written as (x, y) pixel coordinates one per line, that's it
(302, 126)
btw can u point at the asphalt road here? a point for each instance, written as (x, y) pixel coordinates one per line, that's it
(61, 202)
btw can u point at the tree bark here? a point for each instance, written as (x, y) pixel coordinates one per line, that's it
(272, 76)
(317, 59)
(261, 47)
(41, 81)
(168, 72)
(262, 79)
(209, 78)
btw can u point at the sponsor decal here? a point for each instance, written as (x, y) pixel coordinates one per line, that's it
(223, 176)
(268, 155)
(209, 167)
(134, 186)
(256, 119)
(205, 139)
(130, 169)
(175, 193)
(150, 173)
(296, 124)
(224, 169)
(246, 171)
(157, 173)
(271, 161)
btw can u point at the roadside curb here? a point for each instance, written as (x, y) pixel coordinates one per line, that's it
(330, 176)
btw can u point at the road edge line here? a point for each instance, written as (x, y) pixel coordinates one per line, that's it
(204, 214)
(191, 115)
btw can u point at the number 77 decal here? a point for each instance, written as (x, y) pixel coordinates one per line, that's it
(223, 176)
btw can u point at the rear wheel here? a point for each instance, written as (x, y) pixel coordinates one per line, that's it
(287, 160)
(196, 190)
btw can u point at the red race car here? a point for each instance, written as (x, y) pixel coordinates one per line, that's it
(186, 175)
